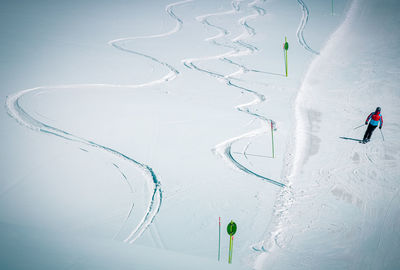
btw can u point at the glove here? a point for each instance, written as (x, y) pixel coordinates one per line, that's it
(380, 127)
(366, 123)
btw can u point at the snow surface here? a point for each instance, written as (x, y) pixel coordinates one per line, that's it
(129, 127)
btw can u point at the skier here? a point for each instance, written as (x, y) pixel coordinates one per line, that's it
(374, 119)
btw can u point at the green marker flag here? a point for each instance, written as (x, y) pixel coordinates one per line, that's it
(232, 228)
(286, 48)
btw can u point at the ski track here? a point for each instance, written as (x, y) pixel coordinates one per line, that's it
(302, 26)
(245, 152)
(16, 111)
(124, 176)
(239, 48)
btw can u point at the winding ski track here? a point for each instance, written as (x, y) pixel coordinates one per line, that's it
(302, 26)
(17, 112)
(238, 48)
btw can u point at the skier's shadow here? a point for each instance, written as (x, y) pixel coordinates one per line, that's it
(351, 139)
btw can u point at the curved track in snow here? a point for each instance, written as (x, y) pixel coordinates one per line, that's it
(17, 112)
(302, 26)
(238, 48)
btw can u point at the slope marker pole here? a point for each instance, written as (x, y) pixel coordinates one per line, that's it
(231, 229)
(272, 136)
(230, 249)
(286, 47)
(219, 239)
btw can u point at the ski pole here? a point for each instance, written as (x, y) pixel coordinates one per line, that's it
(383, 138)
(358, 126)
(219, 240)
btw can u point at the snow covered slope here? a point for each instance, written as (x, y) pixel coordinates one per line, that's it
(341, 210)
(129, 127)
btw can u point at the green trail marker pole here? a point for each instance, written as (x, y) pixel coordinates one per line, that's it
(232, 228)
(230, 249)
(219, 239)
(272, 135)
(286, 47)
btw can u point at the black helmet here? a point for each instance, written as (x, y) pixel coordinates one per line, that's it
(378, 109)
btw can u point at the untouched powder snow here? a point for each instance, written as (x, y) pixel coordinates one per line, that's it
(130, 127)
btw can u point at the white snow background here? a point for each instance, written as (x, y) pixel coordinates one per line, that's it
(129, 127)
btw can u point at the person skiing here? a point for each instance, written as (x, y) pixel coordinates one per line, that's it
(374, 119)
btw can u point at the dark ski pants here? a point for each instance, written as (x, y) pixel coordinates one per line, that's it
(368, 132)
